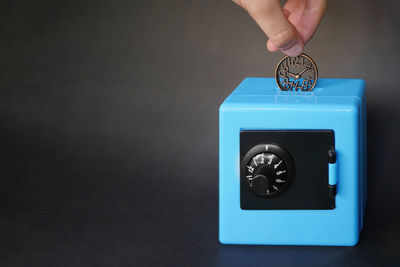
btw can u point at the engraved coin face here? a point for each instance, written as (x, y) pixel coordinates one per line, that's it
(296, 73)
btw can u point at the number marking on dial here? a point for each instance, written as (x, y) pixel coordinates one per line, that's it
(275, 187)
(279, 181)
(276, 165)
(280, 172)
(254, 160)
(270, 157)
(250, 168)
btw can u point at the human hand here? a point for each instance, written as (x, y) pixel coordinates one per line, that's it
(288, 28)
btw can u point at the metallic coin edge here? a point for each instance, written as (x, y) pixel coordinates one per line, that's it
(312, 62)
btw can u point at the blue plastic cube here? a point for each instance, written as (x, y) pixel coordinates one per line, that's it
(336, 105)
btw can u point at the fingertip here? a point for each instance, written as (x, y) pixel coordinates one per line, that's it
(294, 50)
(271, 47)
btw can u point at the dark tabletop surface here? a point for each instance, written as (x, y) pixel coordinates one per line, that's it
(109, 129)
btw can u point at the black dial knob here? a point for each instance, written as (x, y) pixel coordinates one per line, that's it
(268, 169)
(260, 184)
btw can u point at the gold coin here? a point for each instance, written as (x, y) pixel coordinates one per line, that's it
(296, 73)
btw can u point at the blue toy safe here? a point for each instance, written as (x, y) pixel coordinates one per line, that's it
(293, 164)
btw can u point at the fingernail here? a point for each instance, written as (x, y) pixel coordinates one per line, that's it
(294, 51)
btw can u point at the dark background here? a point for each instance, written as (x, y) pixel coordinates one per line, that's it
(109, 129)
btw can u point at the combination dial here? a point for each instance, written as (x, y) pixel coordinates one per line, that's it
(268, 170)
